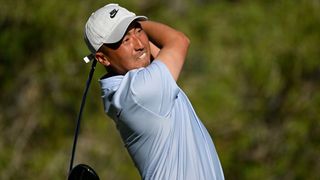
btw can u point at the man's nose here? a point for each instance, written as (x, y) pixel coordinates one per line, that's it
(137, 43)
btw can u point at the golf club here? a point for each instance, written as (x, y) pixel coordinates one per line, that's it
(82, 171)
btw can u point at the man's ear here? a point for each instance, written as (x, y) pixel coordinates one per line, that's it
(102, 58)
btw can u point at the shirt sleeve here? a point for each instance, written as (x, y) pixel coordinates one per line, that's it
(154, 88)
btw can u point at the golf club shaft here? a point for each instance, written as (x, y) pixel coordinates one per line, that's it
(80, 113)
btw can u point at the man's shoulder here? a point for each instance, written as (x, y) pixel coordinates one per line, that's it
(110, 82)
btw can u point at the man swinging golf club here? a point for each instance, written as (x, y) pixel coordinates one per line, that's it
(157, 123)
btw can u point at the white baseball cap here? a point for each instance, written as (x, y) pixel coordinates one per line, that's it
(107, 25)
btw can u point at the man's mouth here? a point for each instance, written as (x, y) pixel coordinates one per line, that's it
(143, 55)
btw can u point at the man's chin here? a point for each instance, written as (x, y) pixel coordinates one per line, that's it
(146, 64)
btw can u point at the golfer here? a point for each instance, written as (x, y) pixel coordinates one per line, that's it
(157, 123)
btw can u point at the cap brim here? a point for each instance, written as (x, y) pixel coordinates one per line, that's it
(121, 29)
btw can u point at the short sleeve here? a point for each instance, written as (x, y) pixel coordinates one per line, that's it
(154, 88)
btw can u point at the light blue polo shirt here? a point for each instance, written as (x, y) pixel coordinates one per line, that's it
(161, 131)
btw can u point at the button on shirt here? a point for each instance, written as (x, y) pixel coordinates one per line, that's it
(161, 131)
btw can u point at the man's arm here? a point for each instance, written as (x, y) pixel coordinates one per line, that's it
(173, 45)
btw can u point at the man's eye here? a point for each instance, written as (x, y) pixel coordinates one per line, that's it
(125, 40)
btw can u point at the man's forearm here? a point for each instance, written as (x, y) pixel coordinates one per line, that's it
(161, 34)
(172, 43)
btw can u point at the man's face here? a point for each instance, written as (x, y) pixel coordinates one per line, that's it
(132, 52)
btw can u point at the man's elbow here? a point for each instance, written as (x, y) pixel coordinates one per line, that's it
(184, 40)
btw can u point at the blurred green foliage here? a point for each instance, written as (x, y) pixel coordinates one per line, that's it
(252, 74)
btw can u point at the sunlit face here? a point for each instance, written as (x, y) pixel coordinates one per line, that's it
(132, 52)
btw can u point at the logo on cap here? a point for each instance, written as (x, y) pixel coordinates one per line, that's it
(113, 13)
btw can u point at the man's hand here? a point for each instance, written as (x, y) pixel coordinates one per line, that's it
(154, 50)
